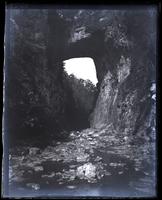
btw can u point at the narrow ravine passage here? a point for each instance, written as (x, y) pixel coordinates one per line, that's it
(90, 131)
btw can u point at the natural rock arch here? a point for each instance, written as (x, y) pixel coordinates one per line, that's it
(124, 65)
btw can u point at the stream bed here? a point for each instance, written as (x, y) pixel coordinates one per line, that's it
(93, 162)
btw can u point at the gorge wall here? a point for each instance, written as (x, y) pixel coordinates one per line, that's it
(122, 47)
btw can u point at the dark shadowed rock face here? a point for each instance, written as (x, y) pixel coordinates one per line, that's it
(36, 97)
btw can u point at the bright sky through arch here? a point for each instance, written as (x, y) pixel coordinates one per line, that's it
(83, 68)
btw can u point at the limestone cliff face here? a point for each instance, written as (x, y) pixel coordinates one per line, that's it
(118, 103)
(125, 103)
(125, 100)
